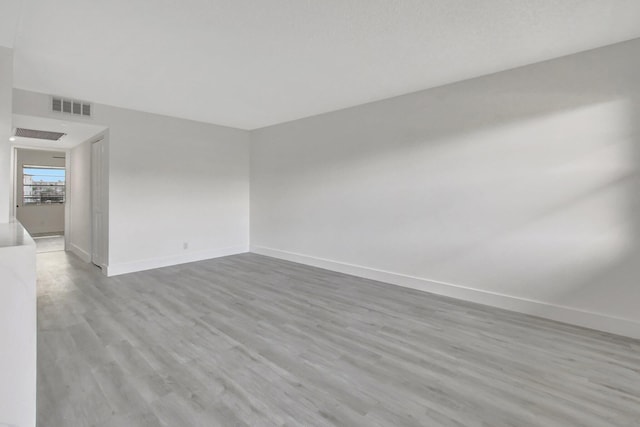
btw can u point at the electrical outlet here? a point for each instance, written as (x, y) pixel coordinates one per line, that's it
(185, 245)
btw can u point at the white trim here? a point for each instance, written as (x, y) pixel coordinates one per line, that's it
(148, 264)
(81, 253)
(560, 313)
(13, 213)
(67, 202)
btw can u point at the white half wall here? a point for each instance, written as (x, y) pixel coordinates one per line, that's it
(79, 197)
(519, 190)
(178, 190)
(17, 327)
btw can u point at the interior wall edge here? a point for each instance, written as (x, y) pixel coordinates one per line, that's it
(585, 319)
(149, 264)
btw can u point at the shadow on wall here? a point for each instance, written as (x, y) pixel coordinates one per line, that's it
(523, 183)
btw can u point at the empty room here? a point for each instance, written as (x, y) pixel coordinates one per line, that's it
(319, 213)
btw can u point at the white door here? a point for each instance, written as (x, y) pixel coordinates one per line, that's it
(97, 221)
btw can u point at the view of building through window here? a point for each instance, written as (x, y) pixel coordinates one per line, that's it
(43, 185)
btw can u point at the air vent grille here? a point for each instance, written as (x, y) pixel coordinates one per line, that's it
(70, 106)
(39, 134)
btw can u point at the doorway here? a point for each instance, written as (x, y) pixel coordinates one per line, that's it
(41, 196)
(81, 204)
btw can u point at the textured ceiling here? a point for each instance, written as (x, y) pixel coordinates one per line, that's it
(254, 63)
(9, 13)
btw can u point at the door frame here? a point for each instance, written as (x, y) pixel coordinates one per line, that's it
(98, 235)
(13, 213)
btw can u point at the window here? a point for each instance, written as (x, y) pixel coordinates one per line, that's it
(43, 185)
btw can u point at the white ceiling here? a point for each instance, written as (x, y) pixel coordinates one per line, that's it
(253, 63)
(76, 133)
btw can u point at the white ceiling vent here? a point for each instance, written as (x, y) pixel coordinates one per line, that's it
(70, 106)
(39, 134)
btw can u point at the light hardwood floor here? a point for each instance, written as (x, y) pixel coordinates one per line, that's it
(251, 340)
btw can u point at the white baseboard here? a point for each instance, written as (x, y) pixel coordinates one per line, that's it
(551, 311)
(81, 253)
(148, 264)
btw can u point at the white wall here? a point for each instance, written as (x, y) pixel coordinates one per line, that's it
(170, 181)
(518, 189)
(79, 196)
(45, 218)
(174, 181)
(6, 85)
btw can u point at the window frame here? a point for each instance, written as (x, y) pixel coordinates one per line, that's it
(28, 198)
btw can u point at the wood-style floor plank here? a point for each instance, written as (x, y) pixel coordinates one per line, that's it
(248, 340)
